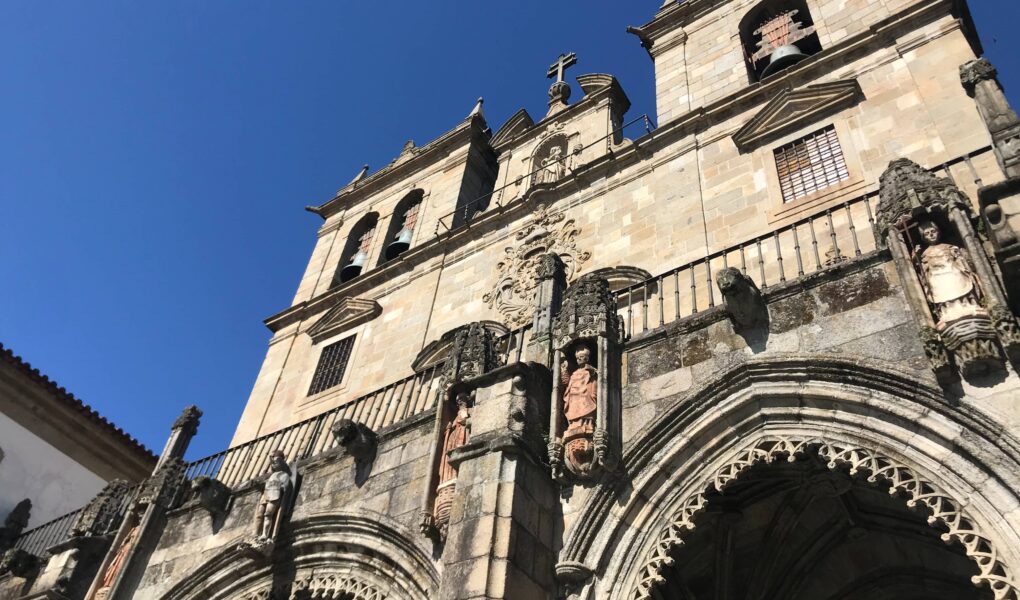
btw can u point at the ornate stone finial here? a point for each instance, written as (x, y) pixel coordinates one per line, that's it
(102, 513)
(361, 175)
(742, 299)
(477, 110)
(164, 486)
(559, 92)
(976, 71)
(188, 421)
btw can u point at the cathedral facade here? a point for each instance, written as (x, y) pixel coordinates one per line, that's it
(762, 344)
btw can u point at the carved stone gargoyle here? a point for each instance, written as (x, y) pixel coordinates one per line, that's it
(955, 292)
(19, 563)
(472, 354)
(360, 442)
(742, 299)
(585, 419)
(209, 493)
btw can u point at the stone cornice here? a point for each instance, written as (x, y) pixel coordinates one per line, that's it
(471, 129)
(696, 121)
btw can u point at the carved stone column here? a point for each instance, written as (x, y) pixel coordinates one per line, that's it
(501, 539)
(121, 569)
(472, 354)
(585, 418)
(552, 281)
(952, 287)
(999, 202)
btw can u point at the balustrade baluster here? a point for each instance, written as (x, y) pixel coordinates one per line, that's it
(871, 219)
(779, 256)
(676, 291)
(743, 261)
(708, 279)
(832, 234)
(814, 244)
(644, 307)
(630, 313)
(694, 292)
(796, 251)
(662, 308)
(853, 230)
(761, 264)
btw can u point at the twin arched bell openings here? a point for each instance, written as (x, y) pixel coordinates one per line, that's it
(358, 248)
(775, 35)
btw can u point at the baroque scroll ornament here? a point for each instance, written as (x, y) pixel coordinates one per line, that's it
(514, 292)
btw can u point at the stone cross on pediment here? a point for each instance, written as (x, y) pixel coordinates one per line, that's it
(558, 68)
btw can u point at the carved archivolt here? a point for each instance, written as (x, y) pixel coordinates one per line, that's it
(513, 294)
(945, 511)
(338, 587)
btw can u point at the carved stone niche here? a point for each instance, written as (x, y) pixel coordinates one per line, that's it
(956, 294)
(585, 419)
(472, 354)
(103, 513)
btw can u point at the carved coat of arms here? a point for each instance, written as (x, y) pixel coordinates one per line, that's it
(514, 292)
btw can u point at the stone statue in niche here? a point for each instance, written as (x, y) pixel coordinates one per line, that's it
(585, 424)
(273, 506)
(455, 435)
(948, 278)
(275, 493)
(580, 404)
(117, 562)
(955, 293)
(552, 167)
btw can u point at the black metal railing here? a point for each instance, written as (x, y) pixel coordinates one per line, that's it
(466, 212)
(38, 540)
(383, 407)
(510, 346)
(829, 237)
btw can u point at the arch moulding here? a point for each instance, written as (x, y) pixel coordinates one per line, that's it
(886, 425)
(337, 555)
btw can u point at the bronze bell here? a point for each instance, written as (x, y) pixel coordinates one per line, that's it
(401, 242)
(353, 268)
(782, 58)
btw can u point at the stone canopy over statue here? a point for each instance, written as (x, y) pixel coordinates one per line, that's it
(585, 416)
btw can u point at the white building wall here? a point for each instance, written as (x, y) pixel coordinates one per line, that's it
(33, 469)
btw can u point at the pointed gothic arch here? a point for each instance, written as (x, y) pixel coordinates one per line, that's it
(873, 419)
(340, 555)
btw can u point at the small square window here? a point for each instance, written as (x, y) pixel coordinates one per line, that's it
(810, 164)
(332, 365)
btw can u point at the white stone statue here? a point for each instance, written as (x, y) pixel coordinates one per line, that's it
(948, 278)
(275, 493)
(552, 166)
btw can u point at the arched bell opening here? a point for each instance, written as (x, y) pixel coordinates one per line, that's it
(809, 530)
(776, 35)
(402, 226)
(354, 258)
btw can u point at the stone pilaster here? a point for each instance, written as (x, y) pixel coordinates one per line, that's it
(552, 281)
(999, 202)
(501, 540)
(125, 561)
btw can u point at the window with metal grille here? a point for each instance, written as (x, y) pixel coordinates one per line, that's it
(332, 365)
(811, 163)
(365, 241)
(411, 216)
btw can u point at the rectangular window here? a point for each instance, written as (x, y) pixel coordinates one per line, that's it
(809, 164)
(332, 365)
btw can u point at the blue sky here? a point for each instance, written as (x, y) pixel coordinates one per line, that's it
(155, 159)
